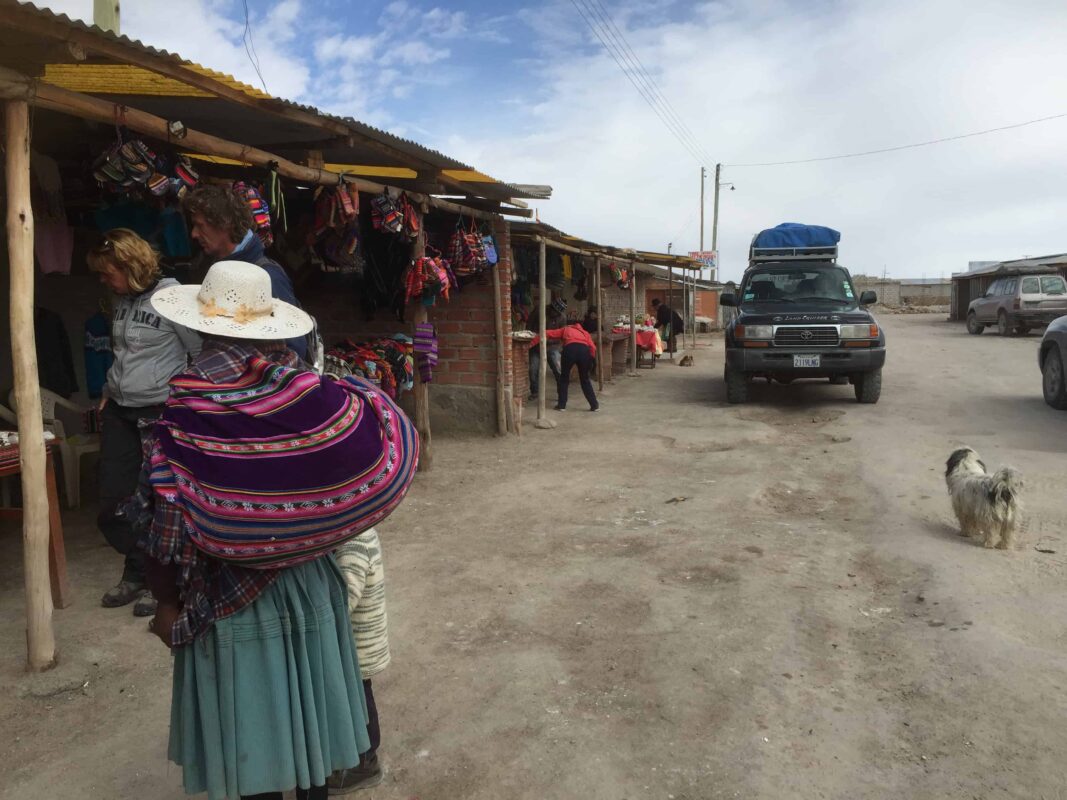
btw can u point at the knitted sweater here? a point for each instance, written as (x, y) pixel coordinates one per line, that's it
(360, 560)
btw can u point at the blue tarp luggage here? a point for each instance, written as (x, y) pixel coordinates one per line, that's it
(795, 234)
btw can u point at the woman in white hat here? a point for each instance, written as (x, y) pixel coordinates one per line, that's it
(257, 469)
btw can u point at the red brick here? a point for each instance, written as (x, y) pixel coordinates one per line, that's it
(470, 353)
(447, 327)
(480, 328)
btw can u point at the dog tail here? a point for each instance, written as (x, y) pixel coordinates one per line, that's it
(1005, 486)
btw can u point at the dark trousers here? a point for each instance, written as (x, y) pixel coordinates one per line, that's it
(576, 355)
(120, 465)
(373, 730)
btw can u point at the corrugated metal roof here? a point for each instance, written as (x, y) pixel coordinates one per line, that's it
(1019, 266)
(89, 78)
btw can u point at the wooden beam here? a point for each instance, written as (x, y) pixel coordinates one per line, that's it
(498, 325)
(633, 326)
(422, 390)
(44, 95)
(600, 326)
(542, 316)
(40, 638)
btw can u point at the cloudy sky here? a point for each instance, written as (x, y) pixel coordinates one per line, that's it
(524, 91)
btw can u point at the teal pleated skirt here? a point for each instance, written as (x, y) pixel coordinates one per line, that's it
(271, 698)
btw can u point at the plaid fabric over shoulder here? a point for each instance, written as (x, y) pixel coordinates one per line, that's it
(281, 465)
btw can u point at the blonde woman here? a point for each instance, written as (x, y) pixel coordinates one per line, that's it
(149, 350)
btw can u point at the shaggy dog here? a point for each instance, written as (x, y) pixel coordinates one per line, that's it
(686, 361)
(987, 506)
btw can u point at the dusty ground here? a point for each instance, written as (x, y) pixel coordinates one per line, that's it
(804, 624)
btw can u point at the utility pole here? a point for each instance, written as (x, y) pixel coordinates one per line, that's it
(703, 174)
(715, 211)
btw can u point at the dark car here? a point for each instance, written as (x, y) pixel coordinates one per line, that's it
(1052, 358)
(803, 320)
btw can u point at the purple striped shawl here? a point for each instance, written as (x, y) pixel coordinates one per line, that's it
(281, 465)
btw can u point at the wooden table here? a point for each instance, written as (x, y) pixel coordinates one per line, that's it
(57, 554)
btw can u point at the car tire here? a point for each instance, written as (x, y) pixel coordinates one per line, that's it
(1053, 383)
(1022, 330)
(974, 327)
(868, 386)
(736, 386)
(1003, 324)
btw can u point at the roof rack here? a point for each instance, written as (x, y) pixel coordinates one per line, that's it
(759, 255)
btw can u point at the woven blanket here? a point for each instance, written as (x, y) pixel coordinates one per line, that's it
(281, 465)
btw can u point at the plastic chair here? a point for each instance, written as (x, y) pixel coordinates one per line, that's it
(8, 416)
(71, 448)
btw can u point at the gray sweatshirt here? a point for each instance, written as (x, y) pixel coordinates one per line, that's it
(149, 350)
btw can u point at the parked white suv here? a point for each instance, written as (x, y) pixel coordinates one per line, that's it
(1017, 303)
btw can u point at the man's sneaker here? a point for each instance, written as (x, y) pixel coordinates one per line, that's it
(123, 593)
(145, 606)
(366, 775)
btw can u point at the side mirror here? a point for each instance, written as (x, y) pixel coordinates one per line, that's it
(868, 298)
(728, 299)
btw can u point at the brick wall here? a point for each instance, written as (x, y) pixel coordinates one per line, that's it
(462, 394)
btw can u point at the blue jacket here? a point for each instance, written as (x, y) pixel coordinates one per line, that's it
(281, 288)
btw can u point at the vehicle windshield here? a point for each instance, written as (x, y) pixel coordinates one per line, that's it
(799, 283)
(1053, 284)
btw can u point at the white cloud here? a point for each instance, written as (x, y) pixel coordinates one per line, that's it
(776, 82)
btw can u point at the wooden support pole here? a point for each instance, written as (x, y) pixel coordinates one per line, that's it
(633, 322)
(422, 389)
(40, 638)
(542, 315)
(498, 324)
(599, 328)
(670, 304)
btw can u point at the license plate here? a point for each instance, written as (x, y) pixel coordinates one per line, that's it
(805, 361)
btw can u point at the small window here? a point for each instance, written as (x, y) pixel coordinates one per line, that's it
(1031, 286)
(1053, 284)
(994, 288)
(1009, 287)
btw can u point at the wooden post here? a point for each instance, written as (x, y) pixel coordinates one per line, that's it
(422, 390)
(599, 328)
(542, 315)
(633, 321)
(498, 320)
(40, 638)
(670, 303)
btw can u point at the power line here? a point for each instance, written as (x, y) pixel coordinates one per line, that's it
(904, 146)
(642, 71)
(250, 48)
(634, 69)
(640, 90)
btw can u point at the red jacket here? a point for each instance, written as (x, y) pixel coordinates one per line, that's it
(573, 334)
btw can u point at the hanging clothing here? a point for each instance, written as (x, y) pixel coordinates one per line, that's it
(55, 361)
(53, 238)
(568, 269)
(174, 238)
(98, 355)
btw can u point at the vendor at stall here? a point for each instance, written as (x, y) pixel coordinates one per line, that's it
(591, 321)
(578, 350)
(148, 350)
(222, 224)
(668, 322)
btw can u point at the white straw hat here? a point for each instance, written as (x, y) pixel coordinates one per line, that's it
(234, 300)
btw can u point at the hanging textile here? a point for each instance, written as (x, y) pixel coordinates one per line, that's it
(426, 350)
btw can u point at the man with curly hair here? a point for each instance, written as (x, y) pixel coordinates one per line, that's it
(221, 223)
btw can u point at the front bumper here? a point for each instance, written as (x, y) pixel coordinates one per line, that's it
(779, 360)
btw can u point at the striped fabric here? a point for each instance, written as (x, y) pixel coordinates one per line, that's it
(426, 350)
(280, 465)
(360, 560)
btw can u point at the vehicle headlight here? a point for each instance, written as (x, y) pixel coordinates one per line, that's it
(754, 332)
(859, 331)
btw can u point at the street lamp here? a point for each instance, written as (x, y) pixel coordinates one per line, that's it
(715, 213)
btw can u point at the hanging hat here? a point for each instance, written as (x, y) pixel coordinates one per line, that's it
(234, 301)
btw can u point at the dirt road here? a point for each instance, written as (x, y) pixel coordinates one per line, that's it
(803, 624)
